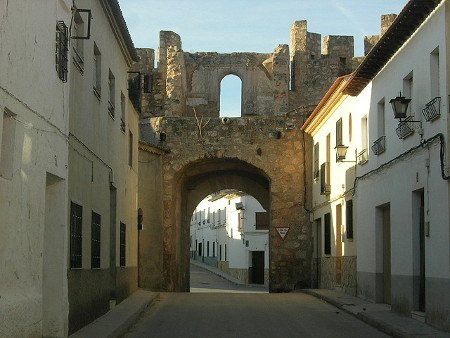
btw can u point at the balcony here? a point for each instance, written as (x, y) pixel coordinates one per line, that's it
(432, 109)
(363, 157)
(405, 128)
(379, 146)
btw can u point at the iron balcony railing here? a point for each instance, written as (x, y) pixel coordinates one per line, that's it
(363, 157)
(405, 128)
(432, 109)
(379, 146)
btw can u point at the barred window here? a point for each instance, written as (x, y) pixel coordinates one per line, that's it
(316, 168)
(327, 234)
(95, 240)
(339, 141)
(61, 54)
(262, 220)
(123, 243)
(76, 235)
(349, 218)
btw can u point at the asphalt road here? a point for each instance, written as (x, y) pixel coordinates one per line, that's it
(221, 309)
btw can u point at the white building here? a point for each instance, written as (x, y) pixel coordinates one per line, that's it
(103, 165)
(335, 123)
(229, 230)
(34, 108)
(401, 193)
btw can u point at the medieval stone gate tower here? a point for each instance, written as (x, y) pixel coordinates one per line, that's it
(188, 152)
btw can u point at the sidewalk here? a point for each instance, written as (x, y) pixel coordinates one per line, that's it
(379, 316)
(116, 322)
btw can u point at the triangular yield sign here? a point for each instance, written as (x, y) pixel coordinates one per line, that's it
(282, 232)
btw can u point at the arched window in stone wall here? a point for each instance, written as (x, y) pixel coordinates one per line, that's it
(231, 96)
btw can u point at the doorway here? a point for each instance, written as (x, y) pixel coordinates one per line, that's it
(418, 217)
(257, 268)
(383, 237)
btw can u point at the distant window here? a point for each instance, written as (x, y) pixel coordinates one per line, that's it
(225, 252)
(95, 240)
(62, 49)
(364, 134)
(381, 118)
(200, 249)
(339, 141)
(262, 220)
(112, 94)
(123, 244)
(408, 92)
(76, 235)
(130, 149)
(214, 249)
(316, 168)
(240, 216)
(78, 44)
(435, 73)
(350, 127)
(325, 186)
(207, 249)
(327, 234)
(220, 252)
(8, 144)
(97, 72)
(349, 219)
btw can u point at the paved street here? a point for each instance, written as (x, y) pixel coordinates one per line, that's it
(218, 308)
(205, 281)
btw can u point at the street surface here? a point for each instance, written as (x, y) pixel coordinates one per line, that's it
(218, 308)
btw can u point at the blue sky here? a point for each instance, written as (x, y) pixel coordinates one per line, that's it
(251, 25)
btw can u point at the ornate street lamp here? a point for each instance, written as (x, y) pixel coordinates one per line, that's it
(341, 152)
(400, 106)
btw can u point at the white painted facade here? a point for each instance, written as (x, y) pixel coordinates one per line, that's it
(419, 70)
(334, 230)
(34, 112)
(401, 194)
(224, 234)
(103, 168)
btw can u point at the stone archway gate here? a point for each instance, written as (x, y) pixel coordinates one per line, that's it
(262, 155)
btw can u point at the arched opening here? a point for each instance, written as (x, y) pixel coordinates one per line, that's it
(229, 236)
(203, 178)
(231, 96)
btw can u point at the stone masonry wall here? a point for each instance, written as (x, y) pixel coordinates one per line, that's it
(313, 70)
(262, 143)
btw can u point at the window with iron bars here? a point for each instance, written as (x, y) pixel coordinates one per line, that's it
(123, 244)
(61, 54)
(76, 236)
(95, 240)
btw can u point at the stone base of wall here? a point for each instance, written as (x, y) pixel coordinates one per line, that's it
(89, 293)
(327, 274)
(240, 274)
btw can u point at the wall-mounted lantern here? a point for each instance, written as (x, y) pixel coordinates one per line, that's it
(400, 106)
(341, 153)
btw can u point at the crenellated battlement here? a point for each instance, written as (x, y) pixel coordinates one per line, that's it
(185, 84)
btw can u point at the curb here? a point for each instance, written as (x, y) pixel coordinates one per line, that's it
(383, 327)
(118, 320)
